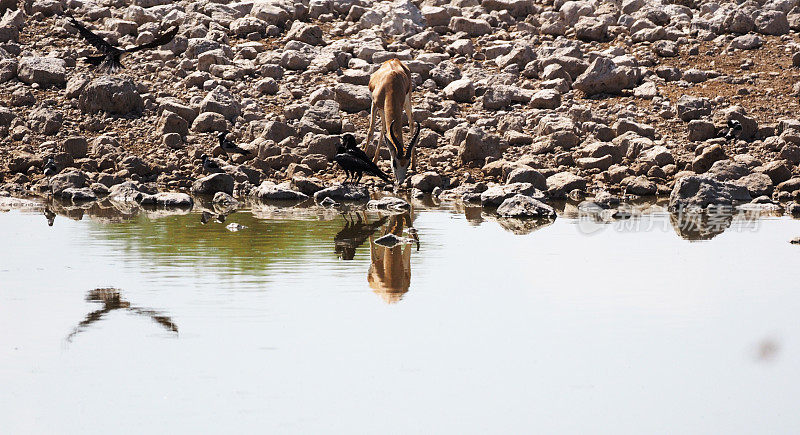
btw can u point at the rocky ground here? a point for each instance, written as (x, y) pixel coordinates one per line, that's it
(520, 102)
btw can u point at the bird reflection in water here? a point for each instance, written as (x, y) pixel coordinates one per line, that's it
(354, 233)
(111, 300)
(389, 273)
(50, 215)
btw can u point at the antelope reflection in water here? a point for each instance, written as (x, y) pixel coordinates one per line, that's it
(390, 272)
(111, 300)
(354, 233)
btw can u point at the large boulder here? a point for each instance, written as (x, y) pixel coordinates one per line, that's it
(45, 121)
(324, 115)
(500, 96)
(353, 98)
(76, 146)
(695, 192)
(494, 196)
(221, 101)
(66, 180)
(111, 94)
(462, 91)
(170, 200)
(605, 77)
(209, 121)
(778, 171)
(343, 192)
(45, 71)
(690, 107)
(269, 191)
(479, 144)
(171, 122)
(470, 26)
(757, 184)
(427, 181)
(212, 184)
(521, 206)
(772, 23)
(560, 184)
(275, 12)
(526, 174)
(304, 32)
(707, 158)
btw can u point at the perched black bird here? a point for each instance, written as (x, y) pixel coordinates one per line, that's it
(355, 162)
(350, 145)
(734, 129)
(229, 146)
(209, 164)
(50, 167)
(109, 60)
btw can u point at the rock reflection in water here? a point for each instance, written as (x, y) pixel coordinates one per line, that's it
(112, 300)
(701, 226)
(389, 273)
(106, 211)
(355, 232)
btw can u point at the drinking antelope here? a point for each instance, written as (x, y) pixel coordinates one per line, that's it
(391, 93)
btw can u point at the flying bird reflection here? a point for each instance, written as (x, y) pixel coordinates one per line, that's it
(112, 300)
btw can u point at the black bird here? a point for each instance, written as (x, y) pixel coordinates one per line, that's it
(209, 164)
(109, 60)
(50, 167)
(350, 145)
(229, 146)
(734, 129)
(354, 161)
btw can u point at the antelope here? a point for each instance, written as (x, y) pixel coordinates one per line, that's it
(390, 86)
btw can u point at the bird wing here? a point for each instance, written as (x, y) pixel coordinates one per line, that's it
(356, 164)
(358, 152)
(373, 168)
(230, 146)
(90, 318)
(161, 40)
(92, 38)
(159, 318)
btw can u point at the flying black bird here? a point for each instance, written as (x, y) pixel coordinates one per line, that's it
(209, 164)
(734, 129)
(229, 146)
(109, 60)
(355, 162)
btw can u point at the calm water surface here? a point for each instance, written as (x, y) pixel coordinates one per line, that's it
(300, 323)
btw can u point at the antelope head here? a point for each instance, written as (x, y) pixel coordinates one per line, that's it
(401, 156)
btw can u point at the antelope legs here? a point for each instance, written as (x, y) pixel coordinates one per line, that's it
(381, 139)
(413, 156)
(372, 118)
